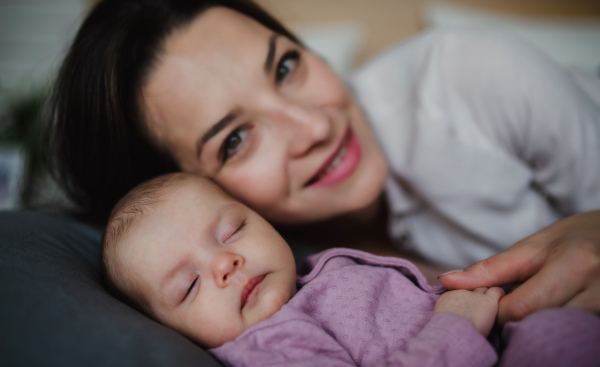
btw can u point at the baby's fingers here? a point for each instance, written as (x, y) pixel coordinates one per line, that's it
(495, 292)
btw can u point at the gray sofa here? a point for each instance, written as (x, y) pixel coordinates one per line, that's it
(54, 310)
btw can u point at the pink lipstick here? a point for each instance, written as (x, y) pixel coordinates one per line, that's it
(340, 164)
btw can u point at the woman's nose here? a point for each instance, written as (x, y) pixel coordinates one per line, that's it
(310, 128)
(225, 266)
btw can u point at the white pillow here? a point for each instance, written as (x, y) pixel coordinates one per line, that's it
(339, 43)
(572, 43)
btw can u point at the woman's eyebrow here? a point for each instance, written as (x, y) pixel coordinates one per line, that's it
(271, 53)
(225, 121)
(215, 129)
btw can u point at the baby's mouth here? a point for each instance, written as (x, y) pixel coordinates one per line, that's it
(250, 289)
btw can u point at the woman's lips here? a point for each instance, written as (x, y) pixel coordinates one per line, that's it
(250, 289)
(340, 164)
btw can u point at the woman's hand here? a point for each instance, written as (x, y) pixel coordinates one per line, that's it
(558, 266)
(479, 306)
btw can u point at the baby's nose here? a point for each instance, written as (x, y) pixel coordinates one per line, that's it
(226, 265)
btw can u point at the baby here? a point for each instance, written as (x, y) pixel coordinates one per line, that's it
(182, 251)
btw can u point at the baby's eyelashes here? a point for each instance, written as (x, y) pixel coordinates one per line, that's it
(191, 287)
(235, 234)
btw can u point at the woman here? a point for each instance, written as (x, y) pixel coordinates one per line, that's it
(221, 89)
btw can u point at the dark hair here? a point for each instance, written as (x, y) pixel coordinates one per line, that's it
(96, 140)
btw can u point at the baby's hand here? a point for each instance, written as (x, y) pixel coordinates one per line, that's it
(479, 306)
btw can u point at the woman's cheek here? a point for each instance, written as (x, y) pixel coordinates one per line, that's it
(327, 88)
(261, 185)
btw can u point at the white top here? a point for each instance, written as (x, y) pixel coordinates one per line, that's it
(486, 139)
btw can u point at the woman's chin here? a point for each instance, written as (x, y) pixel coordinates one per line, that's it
(361, 209)
(367, 212)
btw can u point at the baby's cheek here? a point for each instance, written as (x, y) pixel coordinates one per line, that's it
(271, 303)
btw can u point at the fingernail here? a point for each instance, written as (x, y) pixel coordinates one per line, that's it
(451, 272)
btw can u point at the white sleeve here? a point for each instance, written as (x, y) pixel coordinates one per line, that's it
(531, 109)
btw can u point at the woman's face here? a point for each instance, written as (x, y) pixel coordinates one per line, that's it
(267, 120)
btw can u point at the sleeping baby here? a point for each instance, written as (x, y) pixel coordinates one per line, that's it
(185, 253)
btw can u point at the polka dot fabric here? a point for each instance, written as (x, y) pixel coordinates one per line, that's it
(357, 309)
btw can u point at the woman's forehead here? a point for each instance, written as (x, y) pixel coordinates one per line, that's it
(219, 45)
(203, 69)
(217, 29)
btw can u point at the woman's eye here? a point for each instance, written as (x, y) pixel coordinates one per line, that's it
(232, 143)
(286, 65)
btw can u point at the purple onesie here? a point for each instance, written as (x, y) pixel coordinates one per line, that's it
(358, 309)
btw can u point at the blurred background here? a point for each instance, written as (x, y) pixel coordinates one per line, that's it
(34, 35)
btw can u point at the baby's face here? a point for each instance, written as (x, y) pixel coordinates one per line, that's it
(207, 265)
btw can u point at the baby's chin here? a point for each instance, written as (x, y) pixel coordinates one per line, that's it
(271, 302)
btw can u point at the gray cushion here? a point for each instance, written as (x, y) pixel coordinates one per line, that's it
(55, 312)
